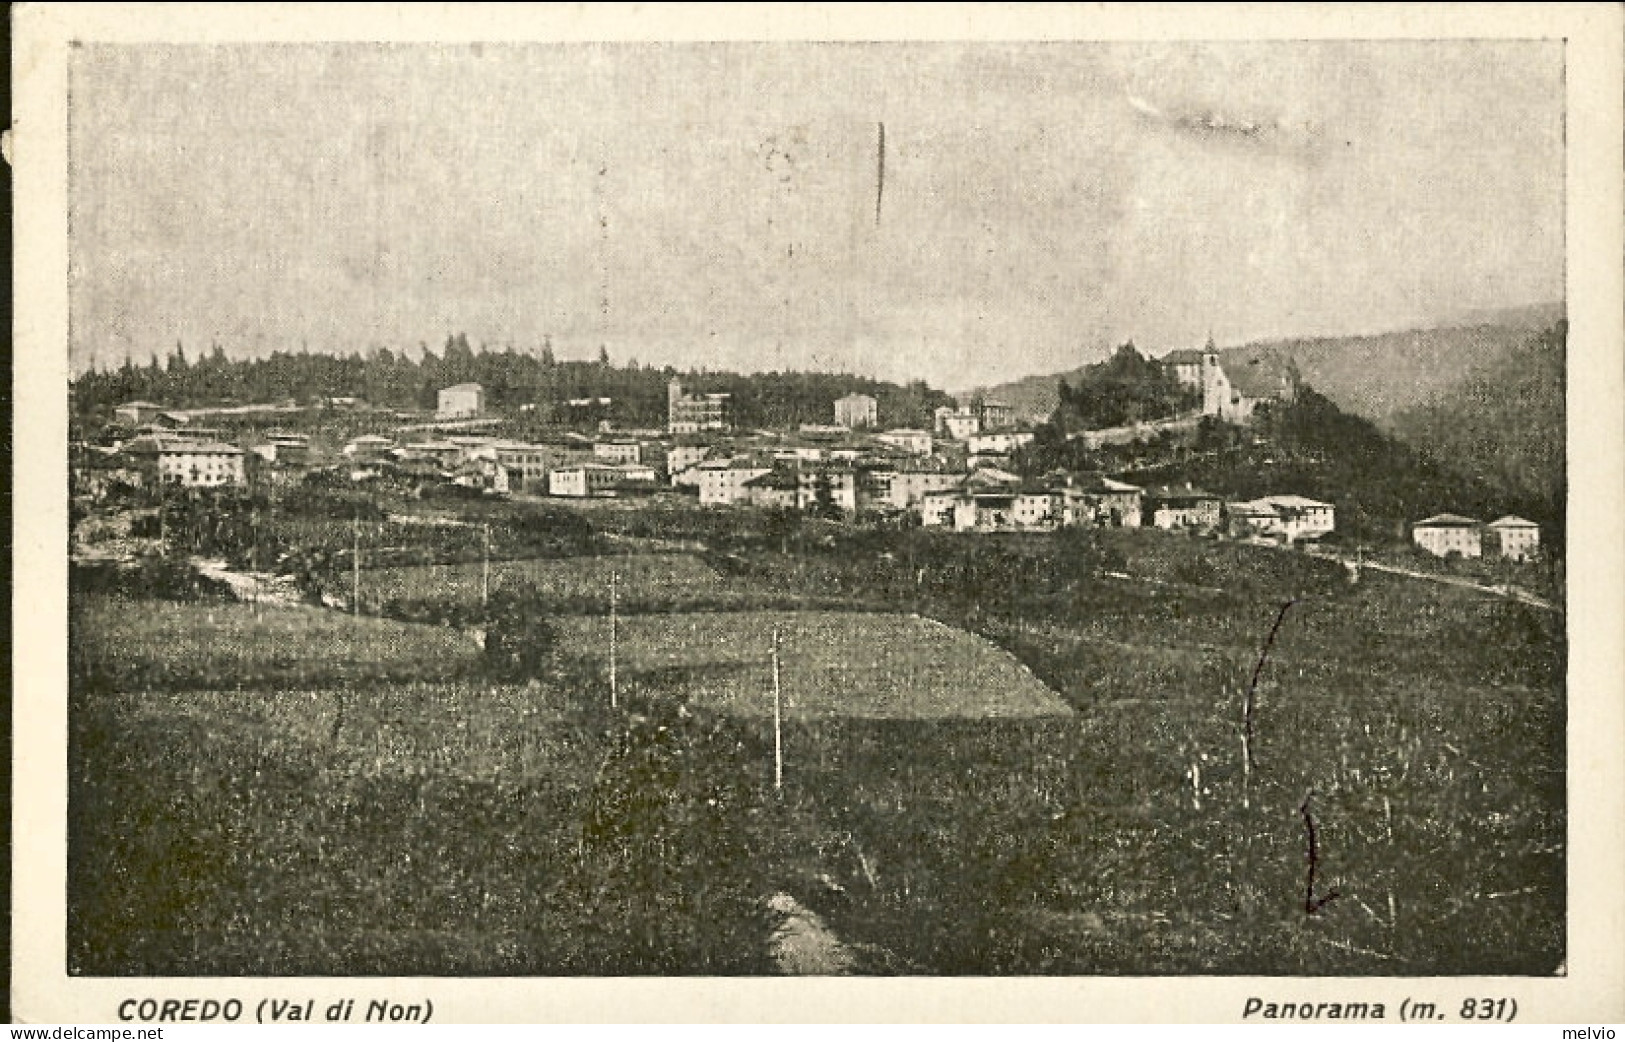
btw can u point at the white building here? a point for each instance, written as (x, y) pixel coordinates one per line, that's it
(856, 410)
(1234, 390)
(910, 440)
(1444, 535)
(462, 402)
(1289, 518)
(192, 464)
(692, 413)
(598, 479)
(681, 459)
(1514, 538)
(619, 450)
(957, 424)
(722, 482)
(997, 443)
(368, 446)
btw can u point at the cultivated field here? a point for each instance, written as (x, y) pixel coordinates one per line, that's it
(637, 577)
(831, 664)
(246, 800)
(128, 644)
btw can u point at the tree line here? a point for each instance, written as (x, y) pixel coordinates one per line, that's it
(511, 379)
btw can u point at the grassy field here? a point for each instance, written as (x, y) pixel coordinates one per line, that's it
(344, 819)
(831, 664)
(129, 644)
(413, 828)
(638, 576)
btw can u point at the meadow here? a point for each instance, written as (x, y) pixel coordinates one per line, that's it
(637, 576)
(407, 814)
(129, 643)
(832, 664)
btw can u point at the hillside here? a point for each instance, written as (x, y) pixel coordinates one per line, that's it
(1375, 376)
(1504, 426)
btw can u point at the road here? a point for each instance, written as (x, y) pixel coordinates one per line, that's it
(1507, 590)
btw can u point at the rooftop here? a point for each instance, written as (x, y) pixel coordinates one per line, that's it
(1446, 521)
(1176, 493)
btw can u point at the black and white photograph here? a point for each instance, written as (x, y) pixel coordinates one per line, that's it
(558, 507)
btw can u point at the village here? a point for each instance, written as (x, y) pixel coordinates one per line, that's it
(958, 475)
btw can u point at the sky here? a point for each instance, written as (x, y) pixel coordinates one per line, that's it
(725, 206)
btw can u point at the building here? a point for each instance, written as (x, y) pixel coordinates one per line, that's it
(1094, 500)
(191, 464)
(856, 410)
(978, 416)
(1185, 366)
(835, 487)
(1514, 538)
(997, 443)
(619, 450)
(906, 484)
(994, 508)
(135, 414)
(290, 448)
(779, 488)
(994, 415)
(1181, 507)
(1302, 517)
(693, 413)
(445, 454)
(600, 480)
(682, 459)
(1287, 518)
(368, 447)
(910, 440)
(991, 500)
(1233, 391)
(462, 402)
(1251, 519)
(1449, 535)
(957, 424)
(522, 466)
(722, 481)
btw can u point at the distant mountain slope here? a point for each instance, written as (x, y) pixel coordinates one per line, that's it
(1380, 376)
(1505, 425)
(1034, 397)
(1376, 376)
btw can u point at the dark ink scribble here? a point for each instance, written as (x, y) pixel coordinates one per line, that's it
(1252, 686)
(1311, 903)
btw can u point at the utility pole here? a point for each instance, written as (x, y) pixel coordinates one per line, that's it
(778, 721)
(355, 565)
(485, 572)
(614, 626)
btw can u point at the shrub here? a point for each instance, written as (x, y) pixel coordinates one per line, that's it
(519, 639)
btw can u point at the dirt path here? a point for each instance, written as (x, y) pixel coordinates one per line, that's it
(253, 587)
(1507, 590)
(802, 945)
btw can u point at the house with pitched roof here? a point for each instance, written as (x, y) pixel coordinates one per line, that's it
(1514, 538)
(1181, 507)
(1094, 500)
(1446, 535)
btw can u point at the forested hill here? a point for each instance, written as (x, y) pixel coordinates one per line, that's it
(1504, 426)
(511, 379)
(1377, 376)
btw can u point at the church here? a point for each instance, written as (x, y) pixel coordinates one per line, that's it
(1234, 388)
